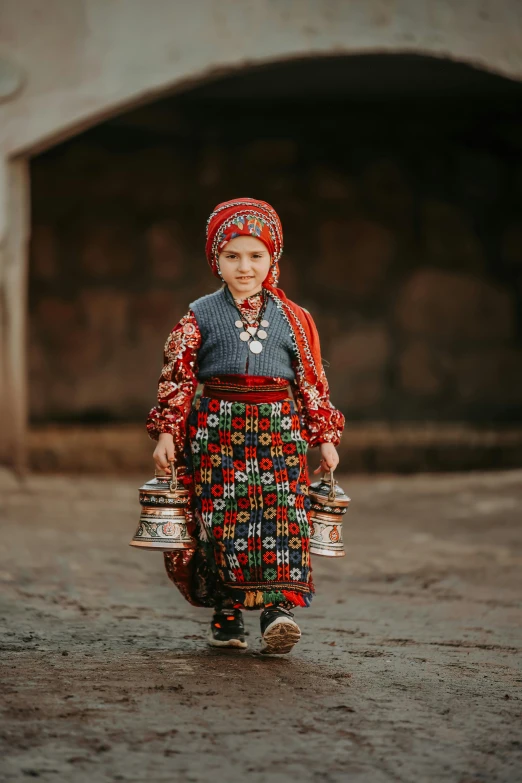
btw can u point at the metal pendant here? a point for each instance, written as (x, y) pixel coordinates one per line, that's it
(262, 334)
(255, 346)
(265, 323)
(244, 336)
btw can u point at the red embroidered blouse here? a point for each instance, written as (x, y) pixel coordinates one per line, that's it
(322, 422)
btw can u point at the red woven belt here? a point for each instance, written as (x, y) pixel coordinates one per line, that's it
(245, 388)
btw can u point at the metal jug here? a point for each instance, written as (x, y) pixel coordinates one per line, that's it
(164, 513)
(329, 504)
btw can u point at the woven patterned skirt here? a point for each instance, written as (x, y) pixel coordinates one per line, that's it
(251, 507)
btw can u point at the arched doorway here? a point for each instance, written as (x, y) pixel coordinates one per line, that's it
(397, 178)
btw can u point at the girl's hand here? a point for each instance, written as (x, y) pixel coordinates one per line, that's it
(164, 451)
(329, 458)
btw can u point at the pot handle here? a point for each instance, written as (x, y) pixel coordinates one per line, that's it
(173, 476)
(331, 494)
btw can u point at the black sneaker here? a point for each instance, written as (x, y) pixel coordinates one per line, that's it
(279, 630)
(227, 629)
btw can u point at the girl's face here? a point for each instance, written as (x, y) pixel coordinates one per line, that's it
(244, 264)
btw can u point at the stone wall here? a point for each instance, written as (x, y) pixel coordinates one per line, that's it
(403, 236)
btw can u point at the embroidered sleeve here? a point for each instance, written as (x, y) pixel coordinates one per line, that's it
(178, 381)
(323, 423)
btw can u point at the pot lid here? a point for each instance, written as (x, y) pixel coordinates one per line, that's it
(321, 491)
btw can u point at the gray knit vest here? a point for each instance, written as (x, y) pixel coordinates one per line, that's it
(223, 353)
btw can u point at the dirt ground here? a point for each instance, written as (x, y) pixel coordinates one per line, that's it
(408, 670)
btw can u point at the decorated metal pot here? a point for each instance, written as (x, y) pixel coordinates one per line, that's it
(164, 514)
(329, 505)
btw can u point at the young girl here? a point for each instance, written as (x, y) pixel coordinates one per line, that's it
(244, 440)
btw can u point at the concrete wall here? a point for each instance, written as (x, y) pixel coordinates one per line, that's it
(65, 65)
(80, 60)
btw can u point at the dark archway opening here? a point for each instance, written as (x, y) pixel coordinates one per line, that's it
(399, 182)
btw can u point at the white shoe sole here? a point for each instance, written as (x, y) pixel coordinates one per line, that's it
(230, 643)
(280, 637)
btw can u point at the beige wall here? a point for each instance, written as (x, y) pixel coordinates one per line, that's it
(81, 59)
(67, 64)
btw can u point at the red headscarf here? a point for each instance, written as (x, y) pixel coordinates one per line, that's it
(249, 217)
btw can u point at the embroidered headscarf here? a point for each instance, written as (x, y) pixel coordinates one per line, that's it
(249, 217)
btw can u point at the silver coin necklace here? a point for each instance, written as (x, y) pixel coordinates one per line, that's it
(254, 333)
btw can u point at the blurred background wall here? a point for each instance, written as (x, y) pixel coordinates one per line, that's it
(388, 137)
(399, 183)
